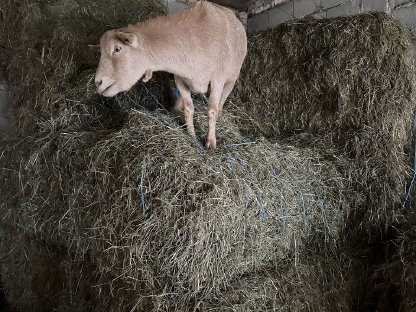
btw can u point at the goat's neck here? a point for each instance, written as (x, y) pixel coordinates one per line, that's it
(169, 48)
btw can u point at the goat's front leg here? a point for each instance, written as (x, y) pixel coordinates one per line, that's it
(185, 101)
(213, 110)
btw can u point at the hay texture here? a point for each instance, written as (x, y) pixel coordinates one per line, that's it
(321, 286)
(39, 277)
(59, 281)
(347, 83)
(117, 190)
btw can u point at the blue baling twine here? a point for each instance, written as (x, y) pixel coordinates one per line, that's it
(263, 210)
(242, 143)
(216, 168)
(165, 119)
(242, 188)
(302, 197)
(324, 215)
(410, 189)
(138, 106)
(175, 92)
(262, 203)
(135, 103)
(282, 206)
(118, 102)
(142, 190)
(152, 95)
(282, 202)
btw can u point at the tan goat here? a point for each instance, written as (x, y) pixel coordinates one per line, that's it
(204, 45)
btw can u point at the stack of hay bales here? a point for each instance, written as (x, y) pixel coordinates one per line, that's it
(107, 204)
(349, 82)
(346, 83)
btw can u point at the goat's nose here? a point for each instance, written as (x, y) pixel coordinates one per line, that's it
(98, 82)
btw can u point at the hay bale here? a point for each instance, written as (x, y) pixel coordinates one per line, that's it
(330, 75)
(346, 82)
(208, 217)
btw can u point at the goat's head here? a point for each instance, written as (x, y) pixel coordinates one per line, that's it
(123, 61)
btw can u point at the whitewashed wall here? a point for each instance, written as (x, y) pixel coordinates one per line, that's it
(263, 14)
(175, 6)
(403, 10)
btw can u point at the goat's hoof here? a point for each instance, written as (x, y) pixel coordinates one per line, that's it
(211, 144)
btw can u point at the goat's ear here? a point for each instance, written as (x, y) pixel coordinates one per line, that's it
(127, 38)
(94, 47)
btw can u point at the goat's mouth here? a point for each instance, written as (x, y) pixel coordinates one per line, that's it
(105, 92)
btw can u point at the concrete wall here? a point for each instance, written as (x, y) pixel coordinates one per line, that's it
(403, 10)
(263, 14)
(175, 6)
(257, 6)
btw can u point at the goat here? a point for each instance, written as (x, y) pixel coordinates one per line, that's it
(203, 46)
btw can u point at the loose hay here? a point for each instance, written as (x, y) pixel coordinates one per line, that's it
(45, 64)
(119, 189)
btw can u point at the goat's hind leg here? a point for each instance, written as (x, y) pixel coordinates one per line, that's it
(213, 110)
(178, 107)
(228, 87)
(184, 102)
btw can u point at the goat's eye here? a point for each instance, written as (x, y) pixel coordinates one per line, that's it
(117, 49)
